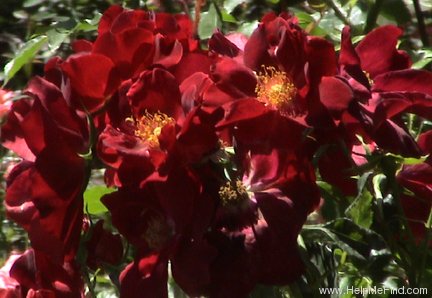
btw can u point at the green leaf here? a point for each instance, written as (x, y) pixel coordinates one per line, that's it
(42, 16)
(85, 27)
(358, 242)
(333, 206)
(248, 27)
(31, 3)
(361, 183)
(209, 22)
(88, 25)
(323, 234)
(408, 160)
(360, 210)
(396, 10)
(92, 196)
(226, 17)
(376, 182)
(304, 18)
(265, 291)
(229, 5)
(24, 56)
(56, 37)
(426, 58)
(332, 25)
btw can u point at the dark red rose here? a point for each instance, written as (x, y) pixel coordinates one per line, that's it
(48, 202)
(378, 54)
(43, 198)
(374, 89)
(154, 219)
(260, 211)
(103, 247)
(130, 50)
(157, 133)
(417, 206)
(48, 133)
(381, 81)
(39, 276)
(425, 143)
(288, 66)
(92, 79)
(9, 287)
(146, 277)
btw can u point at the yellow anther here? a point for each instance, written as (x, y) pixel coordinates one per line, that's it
(368, 77)
(149, 127)
(232, 193)
(275, 88)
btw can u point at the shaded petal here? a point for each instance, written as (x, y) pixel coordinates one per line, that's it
(48, 204)
(335, 95)
(155, 91)
(96, 246)
(232, 273)
(255, 52)
(275, 247)
(108, 18)
(291, 52)
(425, 142)
(196, 139)
(72, 128)
(190, 64)
(241, 110)
(12, 132)
(234, 78)
(131, 158)
(145, 279)
(82, 45)
(335, 168)
(348, 55)
(322, 59)
(38, 275)
(129, 50)
(191, 266)
(390, 136)
(418, 179)
(391, 104)
(411, 80)
(220, 44)
(91, 77)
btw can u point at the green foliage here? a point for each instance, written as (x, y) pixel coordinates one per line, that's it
(53, 38)
(425, 58)
(209, 22)
(92, 196)
(360, 211)
(24, 56)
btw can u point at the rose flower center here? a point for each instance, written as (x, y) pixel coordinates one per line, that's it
(275, 88)
(232, 193)
(149, 127)
(158, 233)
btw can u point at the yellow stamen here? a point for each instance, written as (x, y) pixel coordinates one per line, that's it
(149, 127)
(232, 193)
(275, 88)
(371, 82)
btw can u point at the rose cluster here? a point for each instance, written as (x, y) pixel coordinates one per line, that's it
(212, 152)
